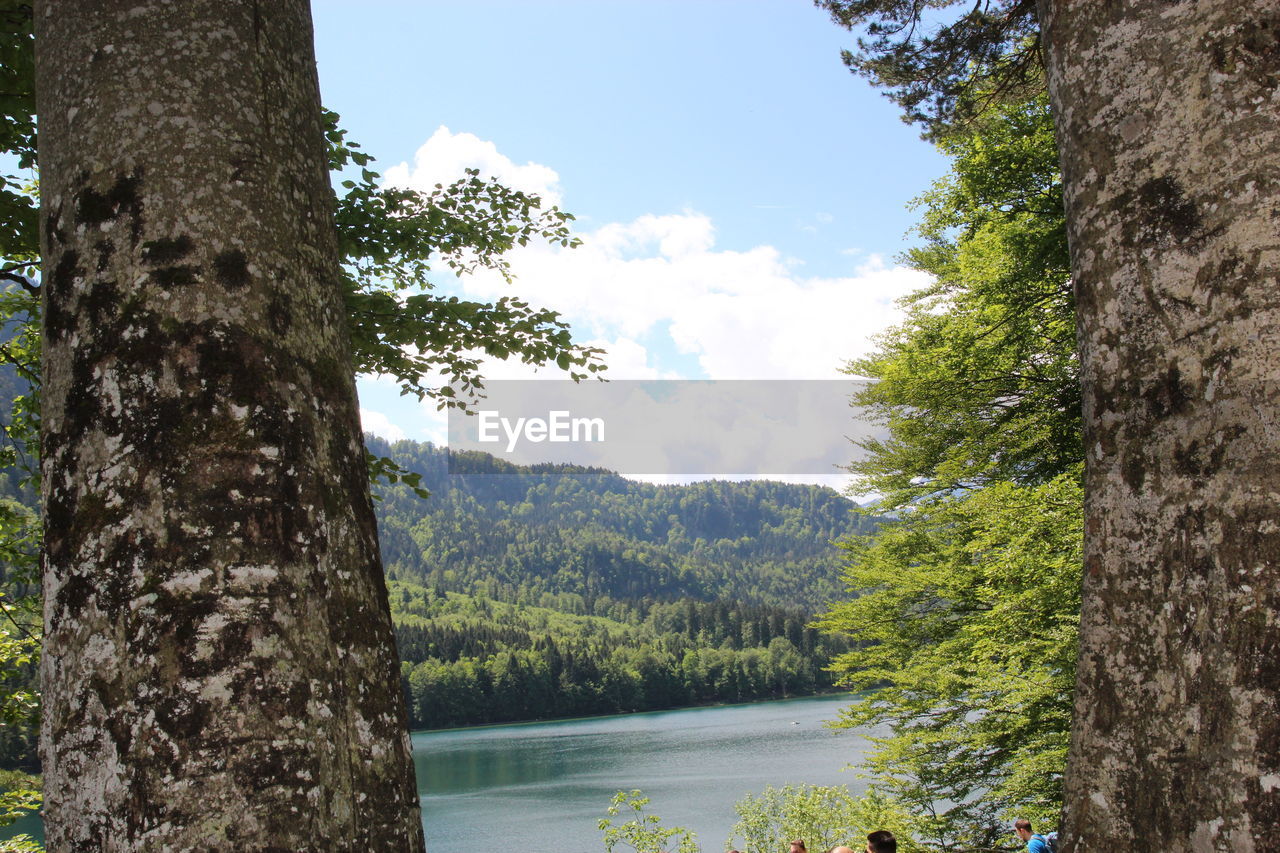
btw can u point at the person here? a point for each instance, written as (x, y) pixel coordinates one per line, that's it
(882, 841)
(1035, 843)
(840, 848)
(797, 846)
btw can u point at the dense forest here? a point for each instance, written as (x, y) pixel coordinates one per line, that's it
(526, 593)
(567, 538)
(468, 659)
(532, 593)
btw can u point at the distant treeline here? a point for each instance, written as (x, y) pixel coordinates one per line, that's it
(469, 660)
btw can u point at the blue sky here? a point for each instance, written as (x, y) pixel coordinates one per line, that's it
(740, 194)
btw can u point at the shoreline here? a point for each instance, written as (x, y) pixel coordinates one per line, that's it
(540, 721)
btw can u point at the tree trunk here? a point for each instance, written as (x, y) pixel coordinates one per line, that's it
(1169, 127)
(219, 670)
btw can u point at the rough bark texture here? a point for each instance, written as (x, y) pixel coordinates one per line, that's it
(1169, 127)
(219, 670)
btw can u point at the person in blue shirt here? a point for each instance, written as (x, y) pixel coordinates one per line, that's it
(1035, 843)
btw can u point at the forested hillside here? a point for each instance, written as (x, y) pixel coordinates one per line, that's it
(469, 659)
(536, 593)
(577, 543)
(526, 593)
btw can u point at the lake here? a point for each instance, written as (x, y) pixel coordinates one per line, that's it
(542, 787)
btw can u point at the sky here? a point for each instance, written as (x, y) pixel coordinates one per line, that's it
(740, 195)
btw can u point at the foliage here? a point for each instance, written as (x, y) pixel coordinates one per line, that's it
(19, 794)
(20, 619)
(521, 534)
(19, 240)
(19, 701)
(965, 609)
(967, 624)
(390, 238)
(942, 66)
(536, 593)
(980, 383)
(823, 816)
(19, 361)
(643, 833)
(470, 660)
(21, 844)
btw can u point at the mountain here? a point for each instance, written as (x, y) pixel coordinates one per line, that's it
(562, 537)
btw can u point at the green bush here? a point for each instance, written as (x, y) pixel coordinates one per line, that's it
(824, 816)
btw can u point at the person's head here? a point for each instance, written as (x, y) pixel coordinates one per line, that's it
(797, 846)
(1022, 827)
(882, 841)
(841, 849)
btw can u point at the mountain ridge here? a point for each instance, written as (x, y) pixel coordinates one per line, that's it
(530, 534)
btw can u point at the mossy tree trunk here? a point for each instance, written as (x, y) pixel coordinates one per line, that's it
(1169, 127)
(219, 670)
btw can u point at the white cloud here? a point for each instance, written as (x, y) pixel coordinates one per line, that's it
(656, 289)
(380, 425)
(443, 158)
(674, 237)
(434, 427)
(742, 314)
(627, 359)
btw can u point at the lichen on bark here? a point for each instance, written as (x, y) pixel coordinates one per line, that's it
(219, 670)
(1168, 122)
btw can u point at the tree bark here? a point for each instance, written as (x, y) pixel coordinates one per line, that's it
(219, 670)
(1168, 122)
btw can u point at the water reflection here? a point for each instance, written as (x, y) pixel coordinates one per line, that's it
(546, 785)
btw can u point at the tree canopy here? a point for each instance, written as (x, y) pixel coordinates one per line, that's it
(19, 214)
(981, 383)
(944, 61)
(964, 610)
(392, 238)
(519, 533)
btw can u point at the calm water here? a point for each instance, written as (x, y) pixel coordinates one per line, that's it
(542, 787)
